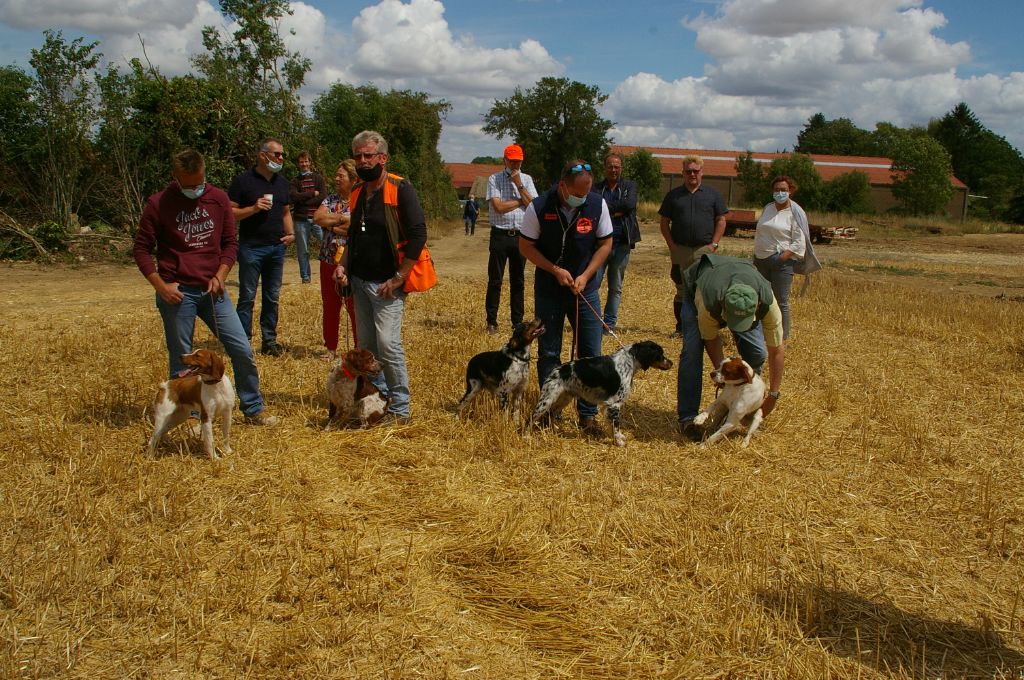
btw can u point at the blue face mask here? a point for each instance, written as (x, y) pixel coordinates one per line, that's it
(305, 172)
(781, 196)
(194, 193)
(575, 201)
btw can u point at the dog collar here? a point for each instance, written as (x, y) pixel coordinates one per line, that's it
(348, 373)
(211, 382)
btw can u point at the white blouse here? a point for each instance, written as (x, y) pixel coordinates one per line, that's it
(777, 230)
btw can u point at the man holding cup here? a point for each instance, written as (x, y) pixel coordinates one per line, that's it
(259, 200)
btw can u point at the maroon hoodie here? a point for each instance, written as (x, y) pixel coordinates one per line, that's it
(192, 237)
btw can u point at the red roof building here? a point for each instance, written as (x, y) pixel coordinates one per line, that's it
(720, 172)
(471, 178)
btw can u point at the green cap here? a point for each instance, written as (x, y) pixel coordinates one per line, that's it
(739, 306)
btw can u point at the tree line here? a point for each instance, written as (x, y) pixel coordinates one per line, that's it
(86, 145)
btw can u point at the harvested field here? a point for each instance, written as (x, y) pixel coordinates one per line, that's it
(873, 529)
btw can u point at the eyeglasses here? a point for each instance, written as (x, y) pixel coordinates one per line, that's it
(694, 172)
(364, 156)
(275, 154)
(580, 167)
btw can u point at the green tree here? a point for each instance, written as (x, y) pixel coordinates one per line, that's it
(410, 121)
(488, 160)
(839, 137)
(63, 91)
(984, 161)
(554, 121)
(643, 168)
(120, 146)
(19, 131)
(257, 76)
(751, 175)
(921, 173)
(848, 193)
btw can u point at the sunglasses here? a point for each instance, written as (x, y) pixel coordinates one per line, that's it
(693, 172)
(275, 154)
(580, 167)
(364, 156)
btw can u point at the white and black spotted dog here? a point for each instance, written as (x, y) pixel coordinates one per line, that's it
(604, 380)
(504, 372)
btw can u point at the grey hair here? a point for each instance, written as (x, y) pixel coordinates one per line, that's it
(368, 137)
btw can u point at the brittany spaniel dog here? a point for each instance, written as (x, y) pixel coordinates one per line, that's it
(742, 394)
(604, 380)
(504, 372)
(354, 398)
(202, 387)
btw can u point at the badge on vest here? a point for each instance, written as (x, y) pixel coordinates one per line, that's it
(584, 225)
(550, 216)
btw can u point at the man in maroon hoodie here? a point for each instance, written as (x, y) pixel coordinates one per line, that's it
(192, 230)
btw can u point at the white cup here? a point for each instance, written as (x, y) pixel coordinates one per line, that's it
(269, 197)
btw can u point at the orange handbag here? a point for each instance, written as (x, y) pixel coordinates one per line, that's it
(423, 276)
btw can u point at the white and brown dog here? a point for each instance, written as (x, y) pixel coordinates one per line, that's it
(353, 397)
(204, 388)
(742, 395)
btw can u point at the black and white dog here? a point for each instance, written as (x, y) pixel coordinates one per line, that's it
(504, 372)
(602, 380)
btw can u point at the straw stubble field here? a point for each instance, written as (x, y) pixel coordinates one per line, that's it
(872, 529)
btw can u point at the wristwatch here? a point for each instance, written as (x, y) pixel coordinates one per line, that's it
(775, 394)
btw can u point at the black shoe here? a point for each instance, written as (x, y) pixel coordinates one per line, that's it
(691, 432)
(272, 349)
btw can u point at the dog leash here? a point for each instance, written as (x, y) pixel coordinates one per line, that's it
(598, 317)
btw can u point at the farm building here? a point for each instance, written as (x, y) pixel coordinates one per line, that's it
(720, 172)
(471, 178)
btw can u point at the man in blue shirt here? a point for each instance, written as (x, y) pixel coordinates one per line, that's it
(259, 200)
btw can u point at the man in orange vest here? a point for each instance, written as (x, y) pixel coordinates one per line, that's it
(385, 236)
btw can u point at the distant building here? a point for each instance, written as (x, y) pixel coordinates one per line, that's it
(720, 172)
(471, 178)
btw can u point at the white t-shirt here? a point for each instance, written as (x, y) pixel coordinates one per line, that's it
(531, 225)
(777, 230)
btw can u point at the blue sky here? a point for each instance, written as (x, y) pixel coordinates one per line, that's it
(732, 74)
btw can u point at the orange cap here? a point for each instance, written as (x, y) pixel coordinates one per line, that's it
(514, 152)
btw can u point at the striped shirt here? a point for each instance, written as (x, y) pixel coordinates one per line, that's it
(500, 186)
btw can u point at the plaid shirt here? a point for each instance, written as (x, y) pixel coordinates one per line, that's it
(499, 185)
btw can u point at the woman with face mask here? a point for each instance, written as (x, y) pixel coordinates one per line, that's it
(780, 243)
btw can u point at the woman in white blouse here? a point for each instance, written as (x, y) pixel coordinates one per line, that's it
(780, 243)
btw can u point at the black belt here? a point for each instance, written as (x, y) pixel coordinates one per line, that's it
(505, 232)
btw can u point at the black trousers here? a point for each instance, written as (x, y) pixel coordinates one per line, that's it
(503, 249)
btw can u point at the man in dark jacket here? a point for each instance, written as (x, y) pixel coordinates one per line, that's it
(566, 233)
(620, 195)
(191, 227)
(306, 192)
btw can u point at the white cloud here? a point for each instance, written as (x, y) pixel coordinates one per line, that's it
(104, 17)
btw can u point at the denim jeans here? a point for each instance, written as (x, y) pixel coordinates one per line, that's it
(552, 308)
(780, 275)
(222, 320)
(303, 228)
(379, 329)
(690, 380)
(255, 262)
(615, 268)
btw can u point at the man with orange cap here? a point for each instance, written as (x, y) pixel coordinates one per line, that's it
(509, 192)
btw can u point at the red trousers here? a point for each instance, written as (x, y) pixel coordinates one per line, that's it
(332, 307)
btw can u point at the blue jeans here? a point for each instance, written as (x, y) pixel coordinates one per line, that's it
(552, 308)
(379, 329)
(255, 262)
(615, 267)
(691, 359)
(222, 320)
(780, 275)
(303, 228)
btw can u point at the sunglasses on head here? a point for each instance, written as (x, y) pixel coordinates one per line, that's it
(580, 167)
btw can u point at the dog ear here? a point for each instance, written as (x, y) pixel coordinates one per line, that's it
(216, 366)
(748, 372)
